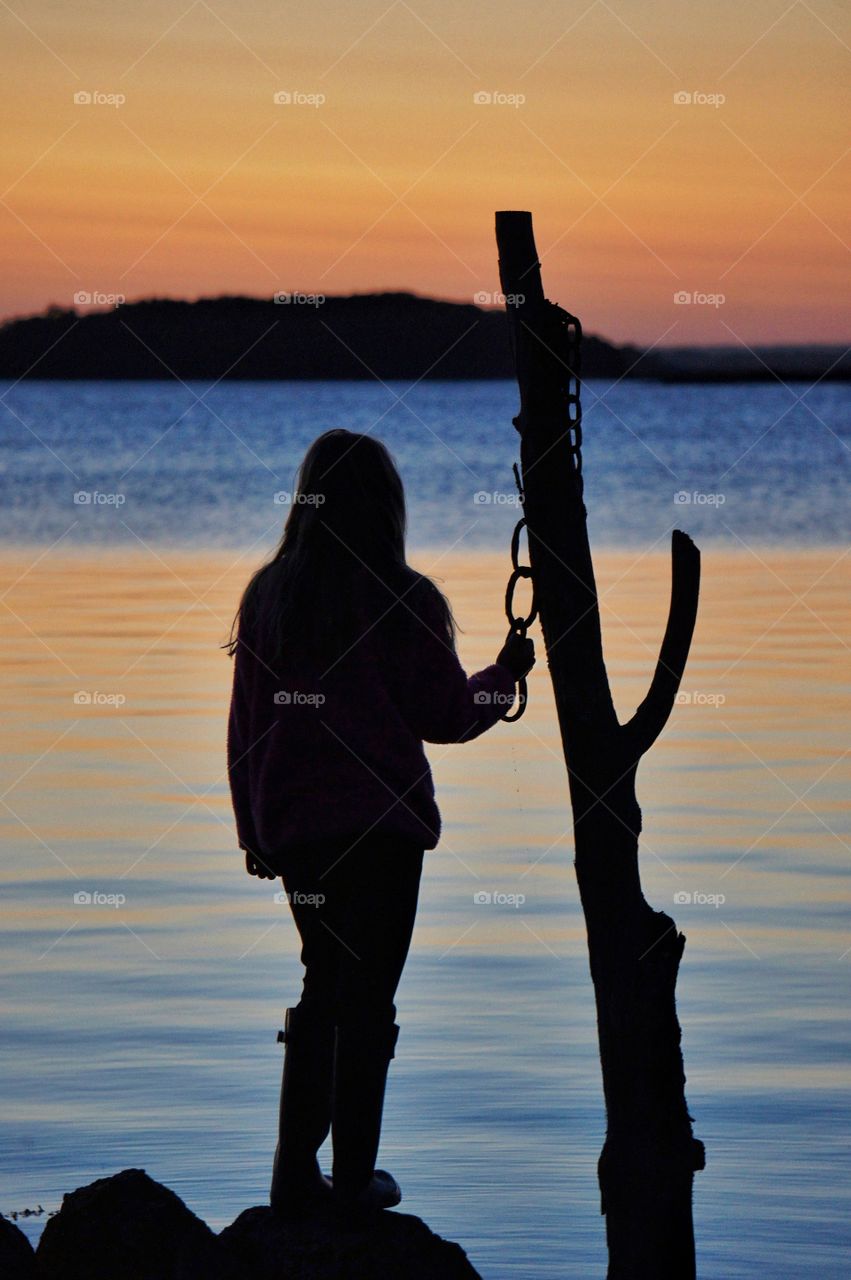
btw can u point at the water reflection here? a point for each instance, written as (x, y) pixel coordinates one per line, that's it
(141, 1030)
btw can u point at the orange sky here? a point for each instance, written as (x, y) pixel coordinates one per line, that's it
(199, 183)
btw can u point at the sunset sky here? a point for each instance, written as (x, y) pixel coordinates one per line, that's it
(199, 183)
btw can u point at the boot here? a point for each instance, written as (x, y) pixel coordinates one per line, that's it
(305, 1113)
(361, 1060)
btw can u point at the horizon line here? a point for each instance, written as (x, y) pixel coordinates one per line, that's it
(91, 309)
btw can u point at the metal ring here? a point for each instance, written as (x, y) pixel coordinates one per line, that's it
(515, 542)
(522, 698)
(522, 571)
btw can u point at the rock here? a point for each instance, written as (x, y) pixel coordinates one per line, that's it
(126, 1227)
(129, 1227)
(392, 1246)
(17, 1259)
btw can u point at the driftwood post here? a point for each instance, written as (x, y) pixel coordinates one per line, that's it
(648, 1160)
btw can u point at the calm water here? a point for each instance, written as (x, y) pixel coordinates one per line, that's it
(143, 1033)
(193, 465)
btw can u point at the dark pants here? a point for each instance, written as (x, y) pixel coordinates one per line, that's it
(354, 902)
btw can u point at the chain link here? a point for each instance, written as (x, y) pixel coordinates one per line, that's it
(519, 625)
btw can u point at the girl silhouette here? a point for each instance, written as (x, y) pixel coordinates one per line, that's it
(345, 664)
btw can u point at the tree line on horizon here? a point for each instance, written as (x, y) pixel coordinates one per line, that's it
(304, 336)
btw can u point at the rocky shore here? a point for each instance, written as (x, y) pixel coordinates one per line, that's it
(129, 1227)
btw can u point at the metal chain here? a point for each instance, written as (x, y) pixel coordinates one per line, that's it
(519, 625)
(564, 336)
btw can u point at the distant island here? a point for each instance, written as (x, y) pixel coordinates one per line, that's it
(360, 336)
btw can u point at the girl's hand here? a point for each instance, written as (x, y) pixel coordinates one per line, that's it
(517, 654)
(255, 867)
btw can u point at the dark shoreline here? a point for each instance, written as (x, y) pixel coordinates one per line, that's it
(132, 1227)
(362, 337)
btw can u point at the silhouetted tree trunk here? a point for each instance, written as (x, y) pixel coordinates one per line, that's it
(649, 1156)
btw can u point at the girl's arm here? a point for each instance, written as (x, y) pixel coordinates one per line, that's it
(437, 698)
(239, 747)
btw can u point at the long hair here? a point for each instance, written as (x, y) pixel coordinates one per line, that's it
(340, 564)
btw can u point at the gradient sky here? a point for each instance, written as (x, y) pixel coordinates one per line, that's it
(199, 183)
